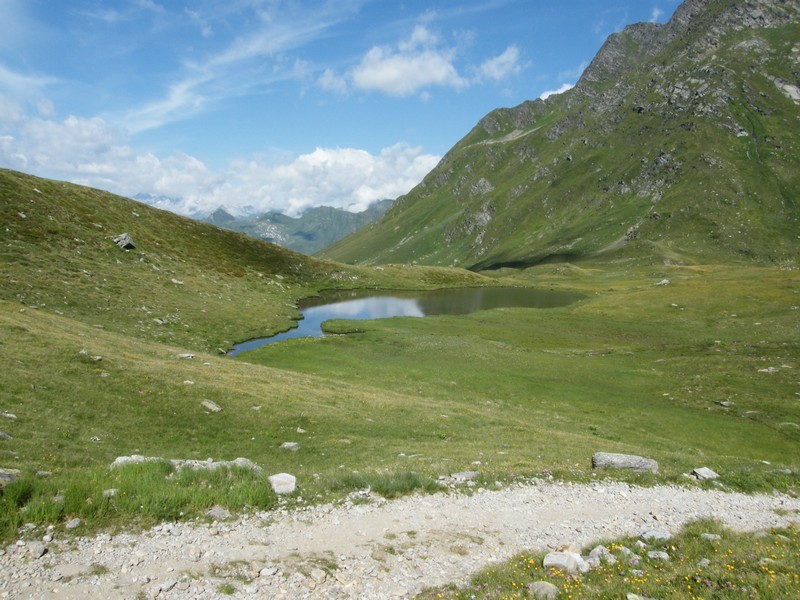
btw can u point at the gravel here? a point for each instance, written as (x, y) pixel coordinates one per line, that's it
(371, 548)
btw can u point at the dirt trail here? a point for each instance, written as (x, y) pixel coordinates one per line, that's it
(367, 547)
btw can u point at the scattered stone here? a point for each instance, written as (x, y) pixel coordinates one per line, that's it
(37, 550)
(663, 282)
(8, 475)
(110, 493)
(268, 571)
(623, 461)
(73, 524)
(8, 415)
(542, 590)
(567, 562)
(464, 476)
(293, 446)
(318, 576)
(703, 473)
(703, 563)
(658, 555)
(656, 535)
(5, 436)
(725, 403)
(194, 553)
(186, 355)
(283, 483)
(218, 513)
(212, 406)
(713, 537)
(176, 281)
(124, 241)
(601, 553)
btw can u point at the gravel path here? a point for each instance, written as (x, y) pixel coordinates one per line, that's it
(364, 548)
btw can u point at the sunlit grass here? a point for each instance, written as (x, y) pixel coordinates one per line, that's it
(732, 565)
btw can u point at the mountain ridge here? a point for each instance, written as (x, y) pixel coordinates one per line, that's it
(627, 164)
(313, 230)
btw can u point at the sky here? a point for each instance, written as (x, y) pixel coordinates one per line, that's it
(256, 105)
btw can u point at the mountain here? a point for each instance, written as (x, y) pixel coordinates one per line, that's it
(315, 229)
(679, 144)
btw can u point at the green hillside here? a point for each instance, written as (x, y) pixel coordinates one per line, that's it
(678, 144)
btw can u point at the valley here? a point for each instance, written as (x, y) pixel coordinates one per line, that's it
(660, 195)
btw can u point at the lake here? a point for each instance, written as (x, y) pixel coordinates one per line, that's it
(361, 305)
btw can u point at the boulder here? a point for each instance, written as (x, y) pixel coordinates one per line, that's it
(293, 446)
(623, 461)
(704, 473)
(124, 241)
(283, 483)
(212, 406)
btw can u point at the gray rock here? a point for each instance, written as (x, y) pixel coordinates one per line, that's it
(8, 475)
(656, 535)
(283, 483)
(318, 576)
(293, 446)
(543, 590)
(712, 537)
(124, 241)
(5, 436)
(703, 563)
(212, 406)
(36, 550)
(268, 571)
(186, 355)
(703, 473)
(74, 523)
(601, 553)
(623, 461)
(465, 476)
(567, 562)
(110, 493)
(218, 513)
(8, 415)
(658, 555)
(194, 553)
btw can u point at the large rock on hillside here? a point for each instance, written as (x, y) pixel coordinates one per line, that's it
(623, 461)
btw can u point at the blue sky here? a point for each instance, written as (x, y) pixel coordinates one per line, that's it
(271, 104)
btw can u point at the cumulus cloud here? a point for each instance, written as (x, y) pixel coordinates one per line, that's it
(565, 87)
(92, 152)
(502, 66)
(414, 64)
(656, 15)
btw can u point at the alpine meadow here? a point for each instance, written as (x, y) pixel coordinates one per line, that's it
(663, 188)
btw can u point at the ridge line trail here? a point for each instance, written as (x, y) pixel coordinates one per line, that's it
(380, 549)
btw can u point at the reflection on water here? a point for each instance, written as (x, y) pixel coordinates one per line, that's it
(360, 305)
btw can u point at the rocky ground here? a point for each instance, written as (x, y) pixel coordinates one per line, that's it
(365, 547)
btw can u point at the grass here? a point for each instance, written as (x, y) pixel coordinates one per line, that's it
(734, 565)
(90, 375)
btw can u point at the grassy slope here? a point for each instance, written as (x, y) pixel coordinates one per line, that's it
(570, 181)
(623, 370)
(635, 368)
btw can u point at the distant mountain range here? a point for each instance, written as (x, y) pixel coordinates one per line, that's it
(312, 231)
(680, 143)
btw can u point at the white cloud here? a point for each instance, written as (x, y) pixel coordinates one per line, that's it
(331, 82)
(502, 66)
(565, 87)
(405, 73)
(416, 63)
(92, 152)
(656, 15)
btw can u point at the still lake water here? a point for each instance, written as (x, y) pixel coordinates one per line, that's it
(361, 305)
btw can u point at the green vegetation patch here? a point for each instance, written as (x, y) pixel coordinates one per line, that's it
(704, 561)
